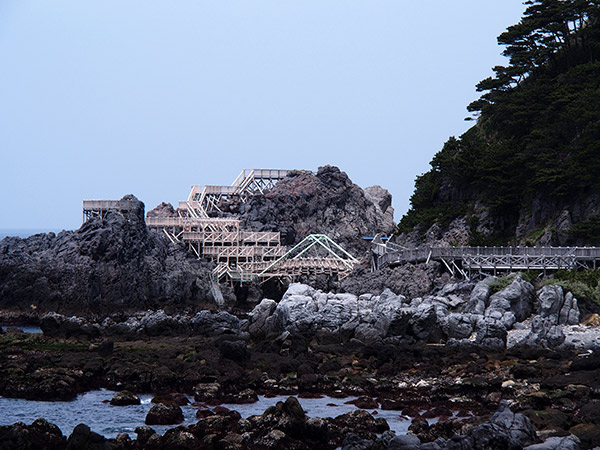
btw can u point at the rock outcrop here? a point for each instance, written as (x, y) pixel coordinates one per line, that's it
(150, 323)
(340, 317)
(558, 307)
(109, 264)
(327, 202)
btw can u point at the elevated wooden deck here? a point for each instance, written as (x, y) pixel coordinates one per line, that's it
(99, 208)
(241, 255)
(206, 199)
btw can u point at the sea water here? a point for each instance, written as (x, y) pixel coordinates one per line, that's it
(93, 409)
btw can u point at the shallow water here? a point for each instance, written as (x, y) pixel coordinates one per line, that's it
(25, 328)
(93, 409)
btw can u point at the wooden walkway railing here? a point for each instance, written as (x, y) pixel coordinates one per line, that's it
(490, 258)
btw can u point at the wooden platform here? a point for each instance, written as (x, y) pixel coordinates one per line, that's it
(240, 255)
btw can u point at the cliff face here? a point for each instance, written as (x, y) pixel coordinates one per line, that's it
(327, 202)
(107, 265)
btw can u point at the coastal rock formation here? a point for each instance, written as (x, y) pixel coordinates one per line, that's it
(558, 307)
(327, 202)
(164, 414)
(150, 323)
(408, 280)
(512, 304)
(311, 313)
(109, 264)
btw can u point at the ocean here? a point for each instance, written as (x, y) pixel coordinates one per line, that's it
(24, 232)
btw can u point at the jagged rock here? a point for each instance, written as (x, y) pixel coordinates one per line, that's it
(258, 317)
(504, 430)
(512, 304)
(382, 200)
(149, 323)
(82, 438)
(491, 333)
(408, 280)
(557, 307)
(164, 414)
(109, 264)
(479, 297)
(544, 333)
(556, 443)
(459, 326)
(427, 324)
(326, 202)
(162, 210)
(125, 398)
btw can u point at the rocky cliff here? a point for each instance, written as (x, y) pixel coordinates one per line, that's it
(107, 265)
(327, 202)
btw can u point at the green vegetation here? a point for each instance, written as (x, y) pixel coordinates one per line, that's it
(40, 343)
(538, 126)
(584, 284)
(501, 282)
(588, 231)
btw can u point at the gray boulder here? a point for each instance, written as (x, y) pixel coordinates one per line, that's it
(512, 304)
(544, 333)
(459, 326)
(557, 443)
(258, 317)
(505, 430)
(479, 297)
(491, 333)
(557, 307)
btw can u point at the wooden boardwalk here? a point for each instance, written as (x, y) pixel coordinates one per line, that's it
(240, 255)
(465, 260)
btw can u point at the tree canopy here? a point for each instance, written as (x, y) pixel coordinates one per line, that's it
(538, 122)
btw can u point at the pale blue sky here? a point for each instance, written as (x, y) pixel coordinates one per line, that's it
(103, 98)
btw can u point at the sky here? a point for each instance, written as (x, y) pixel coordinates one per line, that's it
(99, 99)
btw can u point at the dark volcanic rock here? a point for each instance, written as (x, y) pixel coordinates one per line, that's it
(408, 280)
(164, 414)
(326, 202)
(108, 264)
(39, 435)
(162, 210)
(124, 398)
(505, 430)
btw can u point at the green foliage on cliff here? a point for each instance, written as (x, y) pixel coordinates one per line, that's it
(538, 124)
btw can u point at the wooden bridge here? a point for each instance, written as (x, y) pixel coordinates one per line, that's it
(465, 260)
